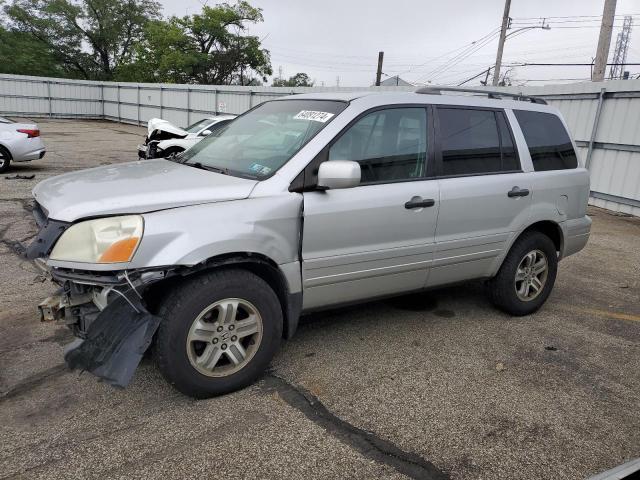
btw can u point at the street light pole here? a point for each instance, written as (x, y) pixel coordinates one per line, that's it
(544, 26)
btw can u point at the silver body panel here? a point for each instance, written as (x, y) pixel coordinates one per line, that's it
(135, 187)
(340, 245)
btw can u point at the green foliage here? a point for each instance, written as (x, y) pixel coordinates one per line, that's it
(205, 48)
(28, 56)
(88, 38)
(298, 80)
(129, 41)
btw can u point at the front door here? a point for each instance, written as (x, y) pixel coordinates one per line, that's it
(378, 238)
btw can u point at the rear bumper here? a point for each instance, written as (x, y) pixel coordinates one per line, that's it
(576, 235)
(27, 149)
(28, 156)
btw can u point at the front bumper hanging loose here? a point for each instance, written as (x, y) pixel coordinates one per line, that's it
(115, 341)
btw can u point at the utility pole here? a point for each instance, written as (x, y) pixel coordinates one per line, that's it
(604, 41)
(379, 71)
(503, 36)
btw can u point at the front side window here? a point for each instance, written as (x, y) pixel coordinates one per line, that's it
(213, 127)
(390, 145)
(199, 125)
(261, 141)
(475, 142)
(548, 141)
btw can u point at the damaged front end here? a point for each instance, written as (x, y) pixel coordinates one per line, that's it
(158, 130)
(105, 311)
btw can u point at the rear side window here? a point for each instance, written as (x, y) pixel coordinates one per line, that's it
(548, 141)
(475, 141)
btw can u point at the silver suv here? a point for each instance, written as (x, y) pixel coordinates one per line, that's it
(302, 203)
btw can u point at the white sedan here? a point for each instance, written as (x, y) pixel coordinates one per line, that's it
(166, 140)
(19, 142)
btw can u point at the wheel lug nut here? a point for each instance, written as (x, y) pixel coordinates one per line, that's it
(215, 340)
(220, 328)
(231, 327)
(224, 346)
(234, 338)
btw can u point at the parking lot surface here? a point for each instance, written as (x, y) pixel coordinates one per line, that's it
(436, 385)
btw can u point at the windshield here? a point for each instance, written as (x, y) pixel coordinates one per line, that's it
(261, 141)
(199, 125)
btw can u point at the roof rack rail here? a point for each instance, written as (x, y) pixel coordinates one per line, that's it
(489, 93)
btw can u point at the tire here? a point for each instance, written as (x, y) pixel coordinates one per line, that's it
(509, 293)
(185, 361)
(5, 159)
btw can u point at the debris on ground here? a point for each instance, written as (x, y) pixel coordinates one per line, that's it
(22, 177)
(500, 367)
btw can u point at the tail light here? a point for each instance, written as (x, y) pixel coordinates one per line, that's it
(31, 132)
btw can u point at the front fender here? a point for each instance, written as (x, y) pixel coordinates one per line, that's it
(269, 226)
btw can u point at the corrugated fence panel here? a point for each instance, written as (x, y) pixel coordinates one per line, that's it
(614, 159)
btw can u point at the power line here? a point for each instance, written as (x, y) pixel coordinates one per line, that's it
(472, 48)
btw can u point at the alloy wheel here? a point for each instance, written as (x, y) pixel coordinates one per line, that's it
(531, 275)
(224, 337)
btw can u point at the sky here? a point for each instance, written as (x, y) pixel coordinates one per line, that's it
(427, 41)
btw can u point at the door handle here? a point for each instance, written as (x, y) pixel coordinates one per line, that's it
(419, 202)
(518, 192)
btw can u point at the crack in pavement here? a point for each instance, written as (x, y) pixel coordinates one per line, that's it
(367, 443)
(35, 380)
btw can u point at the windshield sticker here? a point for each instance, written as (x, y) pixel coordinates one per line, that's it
(314, 116)
(261, 169)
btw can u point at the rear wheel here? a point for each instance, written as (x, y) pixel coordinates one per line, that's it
(5, 159)
(219, 333)
(526, 276)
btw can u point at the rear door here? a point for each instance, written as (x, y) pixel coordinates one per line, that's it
(378, 238)
(485, 196)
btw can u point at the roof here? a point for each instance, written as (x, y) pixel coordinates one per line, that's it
(340, 96)
(372, 98)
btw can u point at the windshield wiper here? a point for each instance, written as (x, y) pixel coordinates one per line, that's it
(224, 171)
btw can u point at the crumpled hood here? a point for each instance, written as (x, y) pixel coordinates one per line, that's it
(135, 187)
(165, 126)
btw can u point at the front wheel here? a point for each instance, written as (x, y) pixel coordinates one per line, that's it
(526, 276)
(219, 332)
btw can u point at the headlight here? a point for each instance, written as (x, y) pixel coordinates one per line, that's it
(105, 240)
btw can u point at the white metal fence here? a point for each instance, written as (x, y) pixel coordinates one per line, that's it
(604, 117)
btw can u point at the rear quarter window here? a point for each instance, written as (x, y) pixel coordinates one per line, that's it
(548, 141)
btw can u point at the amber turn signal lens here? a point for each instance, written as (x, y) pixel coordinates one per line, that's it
(120, 251)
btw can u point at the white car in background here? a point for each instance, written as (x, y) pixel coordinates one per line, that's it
(166, 140)
(19, 142)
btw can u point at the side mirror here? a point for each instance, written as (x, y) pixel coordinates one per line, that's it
(204, 133)
(339, 174)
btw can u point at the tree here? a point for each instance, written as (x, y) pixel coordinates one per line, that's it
(206, 48)
(298, 80)
(28, 55)
(88, 38)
